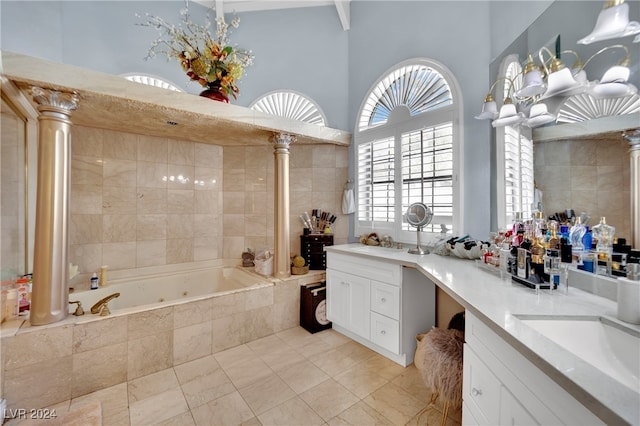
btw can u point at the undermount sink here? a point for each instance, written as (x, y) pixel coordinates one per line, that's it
(609, 346)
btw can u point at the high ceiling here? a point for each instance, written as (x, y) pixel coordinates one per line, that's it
(225, 6)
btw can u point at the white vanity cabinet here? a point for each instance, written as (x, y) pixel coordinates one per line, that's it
(379, 303)
(500, 386)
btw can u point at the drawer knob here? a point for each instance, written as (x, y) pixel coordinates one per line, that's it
(476, 392)
(383, 300)
(383, 332)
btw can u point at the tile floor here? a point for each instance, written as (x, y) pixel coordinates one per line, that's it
(289, 378)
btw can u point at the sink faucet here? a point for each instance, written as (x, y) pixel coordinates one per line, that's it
(101, 305)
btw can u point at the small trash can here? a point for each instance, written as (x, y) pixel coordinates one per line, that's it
(313, 307)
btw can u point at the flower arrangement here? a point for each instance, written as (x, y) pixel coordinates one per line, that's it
(210, 60)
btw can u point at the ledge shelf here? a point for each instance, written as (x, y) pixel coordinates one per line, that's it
(112, 102)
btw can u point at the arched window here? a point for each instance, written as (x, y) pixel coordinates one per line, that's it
(152, 80)
(514, 162)
(408, 149)
(290, 104)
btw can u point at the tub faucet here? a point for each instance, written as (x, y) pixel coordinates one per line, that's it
(102, 307)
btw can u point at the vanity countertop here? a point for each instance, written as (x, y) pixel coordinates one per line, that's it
(496, 301)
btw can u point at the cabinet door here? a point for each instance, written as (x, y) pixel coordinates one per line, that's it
(348, 301)
(512, 412)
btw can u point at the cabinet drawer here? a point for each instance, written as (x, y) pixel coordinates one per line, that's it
(385, 332)
(390, 273)
(385, 299)
(480, 388)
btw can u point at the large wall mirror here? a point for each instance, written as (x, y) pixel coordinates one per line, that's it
(581, 159)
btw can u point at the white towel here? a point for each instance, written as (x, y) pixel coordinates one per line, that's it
(348, 203)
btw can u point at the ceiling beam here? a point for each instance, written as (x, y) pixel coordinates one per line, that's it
(343, 8)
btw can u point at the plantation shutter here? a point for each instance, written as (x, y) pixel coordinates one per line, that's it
(376, 181)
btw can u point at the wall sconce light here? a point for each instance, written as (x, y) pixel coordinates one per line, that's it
(560, 80)
(613, 22)
(533, 84)
(615, 81)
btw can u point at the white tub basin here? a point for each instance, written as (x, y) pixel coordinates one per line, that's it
(609, 346)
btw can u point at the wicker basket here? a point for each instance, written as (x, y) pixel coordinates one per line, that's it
(299, 270)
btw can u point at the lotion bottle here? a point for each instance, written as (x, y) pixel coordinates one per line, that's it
(94, 281)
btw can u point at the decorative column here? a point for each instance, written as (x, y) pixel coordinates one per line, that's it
(282, 266)
(633, 138)
(50, 297)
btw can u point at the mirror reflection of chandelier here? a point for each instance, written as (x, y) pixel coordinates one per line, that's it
(545, 87)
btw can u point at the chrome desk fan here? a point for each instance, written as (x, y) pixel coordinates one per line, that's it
(418, 215)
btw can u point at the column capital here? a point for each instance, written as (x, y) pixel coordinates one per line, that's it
(633, 138)
(63, 102)
(281, 141)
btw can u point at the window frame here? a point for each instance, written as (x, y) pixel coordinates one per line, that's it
(504, 221)
(401, 122)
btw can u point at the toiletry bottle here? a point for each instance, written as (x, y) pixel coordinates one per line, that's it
(576, 233)
(554, 241)
(604, 233)
(103, 276)
(94, 281)
(587, 240)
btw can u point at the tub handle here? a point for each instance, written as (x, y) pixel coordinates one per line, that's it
(79, 311)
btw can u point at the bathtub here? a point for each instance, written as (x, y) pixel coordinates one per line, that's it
(154, 290)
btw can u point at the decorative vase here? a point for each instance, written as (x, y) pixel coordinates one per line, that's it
(214, 92)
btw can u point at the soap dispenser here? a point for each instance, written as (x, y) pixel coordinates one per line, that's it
(629, 295)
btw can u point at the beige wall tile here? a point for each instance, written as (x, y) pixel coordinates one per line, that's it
(234, 157)
(609, 179)
(583, 152)
(206, 202)
(97, 334)
(88, 257)
(255, 180)
(233, 225)
(192, 313)
(119, 228)
(153, 149)
(35, 347)
(233, 179)
(258, 298)
(255, 203)
(149, 354)
(152, 175)
(232, 247)
(151, 253)
(120, 145)
(227, 305)
(234, 202)
(86, 170)
(227, 332)
(207, 225)
(87, 141)
(180, 176)
(258, 157)
(39, 385)
(118, 200)
(255, 225)
(87, 199)
(582, 178)
(148, 323)
(301, 157)
(151, 227)
(208, 155)
(180, 201)
(151, 200)
(180, 226)
(119, 255)
(85, 228)
(208, 179)
(181, 153)
(206, 248)
(179, 250)
(258, 323)
(192, 342)
(119, 173)
(99, 369)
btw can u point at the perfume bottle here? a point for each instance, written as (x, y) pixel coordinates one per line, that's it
(603, 233)
(576, 233)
